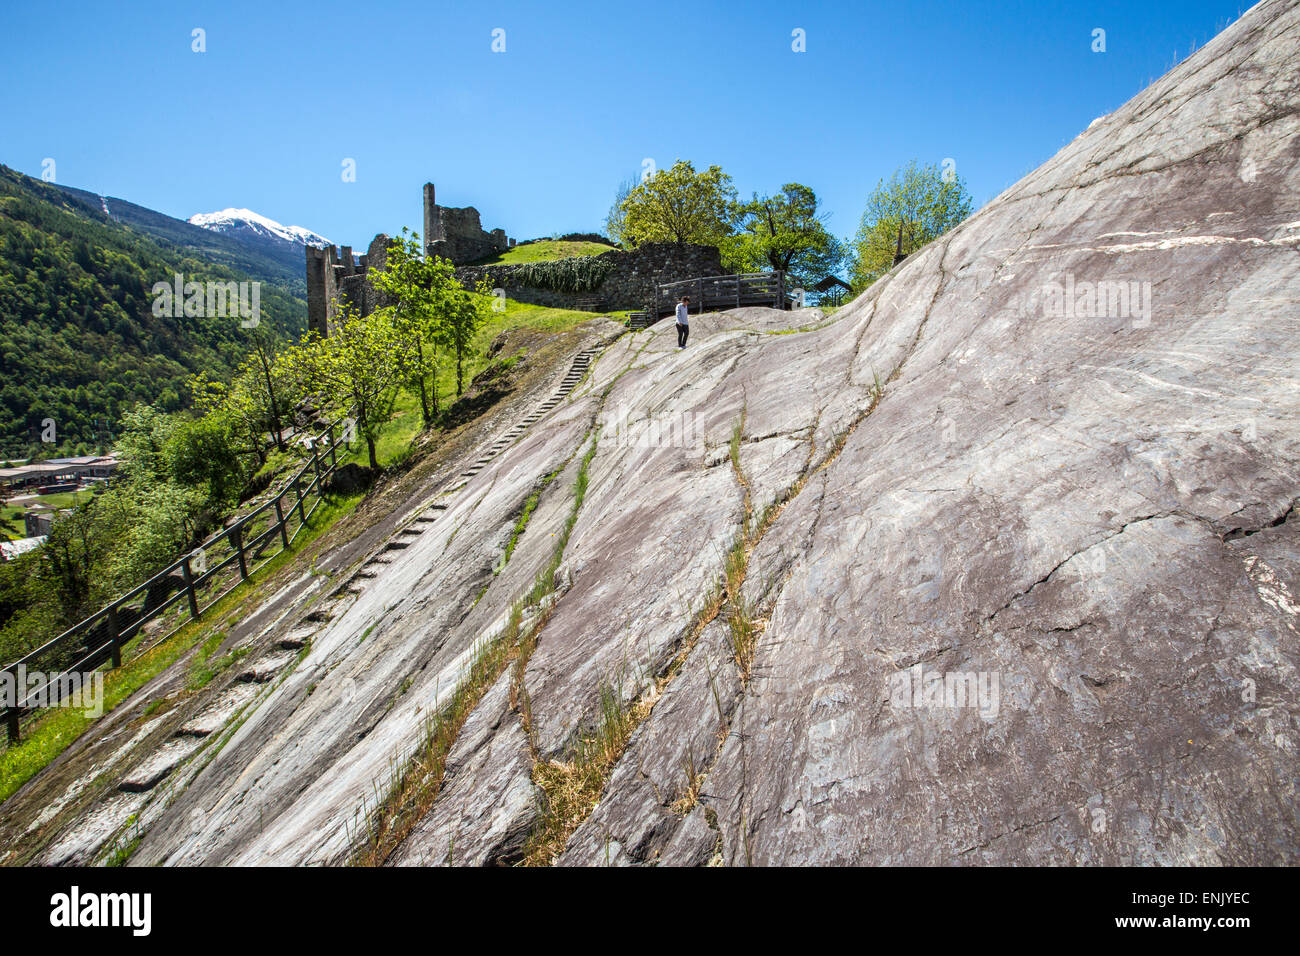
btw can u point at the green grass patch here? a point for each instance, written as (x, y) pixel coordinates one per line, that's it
(393, 444)
(11, 522)
(64, 499)
(546, 251)
(522, 524)
(516, 315)
(11, 513)
(204, 670)
(57, 727)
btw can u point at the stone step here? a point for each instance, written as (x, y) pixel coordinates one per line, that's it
(296, 638)
(158, 765)
(266, 667)
(215, 716)
(300, 634)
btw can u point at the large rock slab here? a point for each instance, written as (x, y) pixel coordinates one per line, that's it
(488, 803)
(1033, 595)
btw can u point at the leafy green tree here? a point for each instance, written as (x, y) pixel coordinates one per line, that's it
(156, 524)
(614, 221)
(464, 313)
(201, 453)
(28, 614)
(679, 205)
(419, 288)
(72, 561)
(265, 384)
(915, 206)
(143, 444)
(255, 403)
(361, 365)
(783, 232)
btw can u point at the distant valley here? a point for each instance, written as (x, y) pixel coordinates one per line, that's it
(79, 341)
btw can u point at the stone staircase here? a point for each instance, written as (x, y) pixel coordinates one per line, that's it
(276, 659)
(577, 371)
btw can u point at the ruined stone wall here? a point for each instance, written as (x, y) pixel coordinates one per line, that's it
(457, 234)
(335, 277)
(630, 284)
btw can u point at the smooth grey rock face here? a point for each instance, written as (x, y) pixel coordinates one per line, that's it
(1032, 596)
(488, 801)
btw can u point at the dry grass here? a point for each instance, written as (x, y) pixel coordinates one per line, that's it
(690, 792)
(415, 788)
(574, 787)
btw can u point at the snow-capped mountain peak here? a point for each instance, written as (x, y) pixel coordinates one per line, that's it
(245, 220)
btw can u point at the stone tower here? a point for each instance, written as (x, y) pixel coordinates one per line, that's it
(432, 221)
(458, 234)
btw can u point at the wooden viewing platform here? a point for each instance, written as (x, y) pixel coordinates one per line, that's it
(715, 294)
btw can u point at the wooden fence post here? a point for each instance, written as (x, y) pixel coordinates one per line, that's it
(236, 537)
(297, 490)
(13, 719)
(699, 309)
(334, 456)
(189, 586)
(279, 517)
(113, 629)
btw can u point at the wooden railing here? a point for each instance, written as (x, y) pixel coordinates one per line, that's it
(715, 293)
(100, 638)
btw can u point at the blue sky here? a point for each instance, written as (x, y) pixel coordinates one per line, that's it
(539, 137)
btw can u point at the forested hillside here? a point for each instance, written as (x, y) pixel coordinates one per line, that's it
(279, 263)
(79, 341)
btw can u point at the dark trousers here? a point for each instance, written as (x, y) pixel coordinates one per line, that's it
(682, 332)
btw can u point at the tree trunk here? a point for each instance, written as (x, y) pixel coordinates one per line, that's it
(424, 395)
(370, 446)
(270, 392)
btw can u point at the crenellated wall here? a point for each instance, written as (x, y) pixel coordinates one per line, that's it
(335, 277)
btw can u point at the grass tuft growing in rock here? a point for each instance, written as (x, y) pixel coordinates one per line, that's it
(574, 787)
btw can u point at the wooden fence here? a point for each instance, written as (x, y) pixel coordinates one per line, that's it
(715, 293)
(100, 638)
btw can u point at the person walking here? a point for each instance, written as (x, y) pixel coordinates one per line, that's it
(683, 321)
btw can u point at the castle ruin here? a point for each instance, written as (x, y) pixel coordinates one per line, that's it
(336, 278)
(457, 234)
